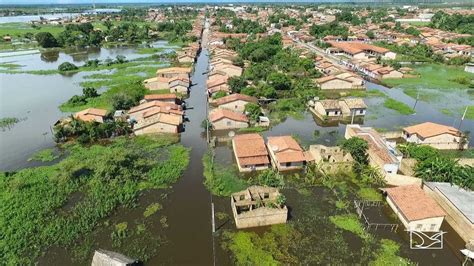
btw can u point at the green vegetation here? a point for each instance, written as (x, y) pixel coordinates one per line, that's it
(332, 28)
(8, 122)
(398, 106)
(432, 165)
(67, 67)
(433, 76)
(149, 50)
(455, 22)
(252, 129)
(151, 209)
(46, 155)
(369, 194)
(351, 223)
(387, 254)
(470, 112)
(219, 180)
(357, 147)
(36, 212)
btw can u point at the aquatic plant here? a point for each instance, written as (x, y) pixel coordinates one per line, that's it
(46, 155)
(398, 106)
(218, 180)
(351, 223)
(8, 122)
(387, 254)
(151, 209)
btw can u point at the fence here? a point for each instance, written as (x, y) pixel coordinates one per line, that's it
(359, 205)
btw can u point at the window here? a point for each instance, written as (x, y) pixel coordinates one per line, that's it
(229, 123)
(419, 226)
(235, 106)
(266, 195)
(327, 113)
(242, 197)
(361, 111)
(432, 227)
(288, 164)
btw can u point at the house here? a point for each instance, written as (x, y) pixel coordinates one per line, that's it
(457, 204)
(154, 121)
(286, 153)
(353, 107)
(91, 114)
(156, 83)
(387, 73)
(331, 159)
(435, 135)
(360, 50)
(334, 83)
(185, 58)
(216, 86)
(235, 102)
(258, 206)
(172, 72)
(168, 97)
(250, 152)
(179, 85)
(357, 82)
(469, 67)
(137, 113)
(327, 109)
(416, 210)
(226, 119)
(104, 257)
(229, 70)
(382, 153)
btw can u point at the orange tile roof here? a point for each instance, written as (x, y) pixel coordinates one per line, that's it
(90, 114)
(153, 104)
(235, 97)
(250, 149)
(413, 203)
(429, 129)
(286, 149)
(218, 114)
(167, 96)
(174, 70)
(357, 47)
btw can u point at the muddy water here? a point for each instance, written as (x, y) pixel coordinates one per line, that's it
(189, 214)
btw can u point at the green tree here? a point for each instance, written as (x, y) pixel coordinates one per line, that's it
(46, 40)
(236, 84)
(253, 111)
(279, 81)
(357, 147)
(66, 66)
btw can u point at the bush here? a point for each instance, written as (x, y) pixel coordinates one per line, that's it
(66, 66)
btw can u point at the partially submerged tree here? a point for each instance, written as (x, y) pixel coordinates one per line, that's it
(357, 147)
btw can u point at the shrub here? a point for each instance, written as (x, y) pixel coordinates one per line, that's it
(46, 40)
(66, 66)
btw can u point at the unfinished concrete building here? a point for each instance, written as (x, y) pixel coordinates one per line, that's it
(110, 258)
(258, 206)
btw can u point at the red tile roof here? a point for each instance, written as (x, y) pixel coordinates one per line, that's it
(218, 114)
(413, 203)
(235, 97)
(250, 149)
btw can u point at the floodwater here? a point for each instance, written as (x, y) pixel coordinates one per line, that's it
(29, 18)
(34, 99)
(187, 238)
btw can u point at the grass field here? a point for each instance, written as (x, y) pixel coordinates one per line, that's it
(18, 29)
(398, 106)
(433, 76)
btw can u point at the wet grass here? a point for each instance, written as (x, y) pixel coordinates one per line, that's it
(433, 76)
(10, 65)
(351, 223)
(110, 176)
(423, 95)
(219, 180)
(149, 50)
(8, 122)
(152, 209)
(387, 254)
(46, 155)
(398, 106)
(367, 193)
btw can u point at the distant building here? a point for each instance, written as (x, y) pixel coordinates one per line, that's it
(469, 67)
(258, 206)
(414, 208)
(250, 152)
(360, 50)
(334, 83)
(435, 135)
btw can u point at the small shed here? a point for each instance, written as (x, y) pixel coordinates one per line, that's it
(110, 258)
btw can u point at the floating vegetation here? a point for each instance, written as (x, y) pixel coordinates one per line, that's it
(8, 122)
(151, 209)
(46, 155)
(398, 106)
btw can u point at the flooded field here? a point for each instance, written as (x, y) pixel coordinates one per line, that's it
(178, 220)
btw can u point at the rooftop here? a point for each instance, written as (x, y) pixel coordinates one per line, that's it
(429, 129)
(235, 97)
(461, 198)
(218, 114)
(413, 203)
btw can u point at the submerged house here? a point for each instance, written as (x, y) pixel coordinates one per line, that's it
(435, 135)
(258, 206)
(250, 152)
(331, 159)
(156, 122)
(169, 97)
(226, 119)
(327, 109)
(416, 210)
(235, 102)
(286, 153)
(353, 107)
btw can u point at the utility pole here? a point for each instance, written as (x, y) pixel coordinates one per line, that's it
(462, 118)
(417, 97)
